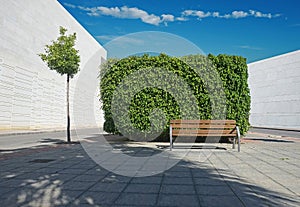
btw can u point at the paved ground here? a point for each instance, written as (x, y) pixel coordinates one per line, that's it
(264, 173)
(277, 132)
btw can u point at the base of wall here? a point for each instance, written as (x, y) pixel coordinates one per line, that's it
(275, 128)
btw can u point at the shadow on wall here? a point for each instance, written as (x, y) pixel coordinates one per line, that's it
(67, 176)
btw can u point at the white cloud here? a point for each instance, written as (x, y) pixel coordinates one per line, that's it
(259, 14)
(70, 5)
(125, 12)
(233, 15)
(181, 19)
(216, 14)
(167, 18)
(199, 14)
(106, 37)
(250, 47)
(239, 14)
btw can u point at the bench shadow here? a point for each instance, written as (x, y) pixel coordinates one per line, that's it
(67, 176)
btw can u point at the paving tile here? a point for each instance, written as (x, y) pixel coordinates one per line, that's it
(217, 201)
(149, 180)
(137, 199)
(180, 174)
(86, 177)
(76, 185)
(108, 187)
(175, 200)
(46, 170)
(14, 183)
(253, 200)
(142, 188)
(228, 178)
(4, 190)
(200, 173)
(178, 189)
(50, 198)
(97, 198)
(177, 181)
(214, 190)
(179, 168)
(111, 177)
(209, 181)
(72, 171)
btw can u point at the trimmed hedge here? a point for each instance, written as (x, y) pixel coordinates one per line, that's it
(233, 71)
(208, 102)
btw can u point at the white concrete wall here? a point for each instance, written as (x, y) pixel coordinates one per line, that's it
(32, 96)
(275, 92)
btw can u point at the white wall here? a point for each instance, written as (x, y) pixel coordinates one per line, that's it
(275, 92)
(32, 96)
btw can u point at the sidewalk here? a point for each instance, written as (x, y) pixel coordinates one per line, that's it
(264, 173)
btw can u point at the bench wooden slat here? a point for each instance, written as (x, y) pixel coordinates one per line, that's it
(204, 135)
(203, 121)
(205, 128)
(176, 132)
(202, 126)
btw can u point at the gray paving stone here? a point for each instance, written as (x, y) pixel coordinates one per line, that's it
(97, 198)
(149, 180)
(111, 177)
(177, 181)
(108, 187)
(180, 167)
(178, 189)
(4, 190)
(180, 174)
(253, 200)
(14, 183)
(209, 181)
(86, 177)
(227, 178)
(76, 171)
(214, 190)
(176, 200)
(134, 199)
(241, 189)
(77, 204)
(46, 170)
(217, 201)
(200, 173)
(76, 185)
(96, 171)
(142, 188)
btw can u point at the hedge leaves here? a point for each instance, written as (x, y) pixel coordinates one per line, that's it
(156, 89)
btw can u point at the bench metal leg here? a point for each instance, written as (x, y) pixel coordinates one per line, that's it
(233, 144)
(239, 138)
(171, 139)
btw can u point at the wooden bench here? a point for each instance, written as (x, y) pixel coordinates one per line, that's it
(205, 128)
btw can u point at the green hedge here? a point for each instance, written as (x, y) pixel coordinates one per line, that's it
(233, 71)
(208, 102)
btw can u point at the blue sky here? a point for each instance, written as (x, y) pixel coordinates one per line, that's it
(255, 29)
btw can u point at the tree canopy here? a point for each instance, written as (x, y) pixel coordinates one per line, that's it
(61, 55)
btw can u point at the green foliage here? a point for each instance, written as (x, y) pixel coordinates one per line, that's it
(195, 71)
(61, 55)
(233, 71)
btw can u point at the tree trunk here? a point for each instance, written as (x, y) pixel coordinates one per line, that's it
(68, 110)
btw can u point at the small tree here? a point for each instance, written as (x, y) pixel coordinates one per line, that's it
(62, 57)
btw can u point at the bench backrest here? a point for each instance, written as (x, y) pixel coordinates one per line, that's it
(224, 128)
